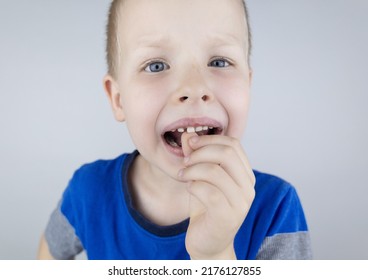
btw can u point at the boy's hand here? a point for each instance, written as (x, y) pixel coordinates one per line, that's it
(221, 184)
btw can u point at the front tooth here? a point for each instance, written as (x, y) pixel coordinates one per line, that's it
(190, 129)
(199, 128)
(181, 130)
(205, 128)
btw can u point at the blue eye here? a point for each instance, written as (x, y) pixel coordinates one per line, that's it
(219, 62)
(156, 66)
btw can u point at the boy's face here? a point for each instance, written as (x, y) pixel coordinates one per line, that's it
(183, 64)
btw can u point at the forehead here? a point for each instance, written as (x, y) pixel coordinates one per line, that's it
(157, 22)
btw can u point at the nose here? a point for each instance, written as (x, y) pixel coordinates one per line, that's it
(193, 88)
(185, 98)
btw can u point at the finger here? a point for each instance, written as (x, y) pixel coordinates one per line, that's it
(225, 156)
(206, 198)
(215, 175)
(197, 142)
(187, 150)
(227, 152)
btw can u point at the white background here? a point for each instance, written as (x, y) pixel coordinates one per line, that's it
(308, 121)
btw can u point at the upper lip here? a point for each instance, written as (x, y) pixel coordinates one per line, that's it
(193, 122)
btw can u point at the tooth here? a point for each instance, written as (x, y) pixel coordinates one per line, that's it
(210, 127)
(205, 128)
(190, 129)
(199, 128)
(173, 143)
(181, 130)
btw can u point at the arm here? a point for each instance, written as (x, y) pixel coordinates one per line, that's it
(288, 236)
(59, 240)
(43, 250)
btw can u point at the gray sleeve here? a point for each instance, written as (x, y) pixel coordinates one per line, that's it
(286, 246)
(61, 238)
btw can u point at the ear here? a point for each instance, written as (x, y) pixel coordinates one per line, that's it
(113, 94)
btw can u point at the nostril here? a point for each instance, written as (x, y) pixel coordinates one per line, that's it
(205, 97)
(183, 98)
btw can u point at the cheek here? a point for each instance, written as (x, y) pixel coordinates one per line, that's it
(239, 117)
(142, 107)
(143, 100)
(234, 96)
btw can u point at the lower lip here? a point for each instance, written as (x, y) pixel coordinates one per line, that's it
(177, 151)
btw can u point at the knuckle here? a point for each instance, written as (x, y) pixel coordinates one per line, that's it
(228, 151)
(234, 141)
(214, 198)
(213, 170)
(252, 195)
(252, 180)
(248, 196)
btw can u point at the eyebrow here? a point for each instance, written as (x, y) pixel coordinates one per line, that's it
(224, 39)
(157, 41)
(153, 41)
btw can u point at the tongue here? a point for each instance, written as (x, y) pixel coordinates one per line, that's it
(177, 137)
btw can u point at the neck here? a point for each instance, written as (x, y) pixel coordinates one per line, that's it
(160, 198)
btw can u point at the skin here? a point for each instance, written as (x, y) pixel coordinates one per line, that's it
(213, 184)
(43, 250)
(222, 190)
(200, 46)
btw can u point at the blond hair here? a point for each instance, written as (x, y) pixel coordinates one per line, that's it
(112, 39)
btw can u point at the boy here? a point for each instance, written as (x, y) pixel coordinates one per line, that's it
(179, 77)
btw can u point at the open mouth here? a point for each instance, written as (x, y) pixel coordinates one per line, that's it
(173, 137)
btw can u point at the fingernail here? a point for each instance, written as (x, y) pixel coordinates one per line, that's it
(194, 139)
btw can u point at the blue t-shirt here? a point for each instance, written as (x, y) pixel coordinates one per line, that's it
(97, 214)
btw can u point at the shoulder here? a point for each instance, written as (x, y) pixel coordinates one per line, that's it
(272, 187)
(276, 212)
(278, 200)
(92, 187)
(98, 167)
(95, 177)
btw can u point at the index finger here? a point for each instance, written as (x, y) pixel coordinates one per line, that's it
(187, 150)
(197, 142)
